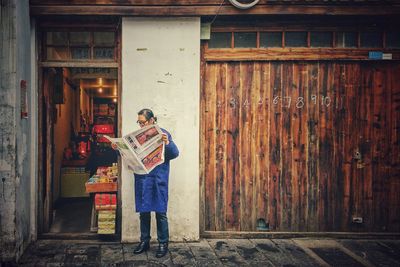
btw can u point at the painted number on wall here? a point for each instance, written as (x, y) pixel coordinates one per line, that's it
(283, 101)
(300, 101)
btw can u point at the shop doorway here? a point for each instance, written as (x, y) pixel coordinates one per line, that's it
(78, 106)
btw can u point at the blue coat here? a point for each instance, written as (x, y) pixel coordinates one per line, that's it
(151, 190)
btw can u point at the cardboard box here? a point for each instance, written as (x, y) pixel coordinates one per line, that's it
(73, 183)
(106, 222)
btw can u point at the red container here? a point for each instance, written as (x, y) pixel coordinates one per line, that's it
(105, 201)
(103, 129)
(100, 129)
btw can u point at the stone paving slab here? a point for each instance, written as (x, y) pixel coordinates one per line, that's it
(336, 257)
(393, 246)
(82, 255)
(218, 252)
(226, 252)
(151, 256)
(376, 252)
(294, 253)
(111, 255)
(128, 253)
(283, 252)
(181, 255)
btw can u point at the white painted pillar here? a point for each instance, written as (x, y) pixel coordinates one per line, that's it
(161, 71)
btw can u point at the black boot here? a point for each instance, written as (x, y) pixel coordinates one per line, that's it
(162, 250)
(142, 247)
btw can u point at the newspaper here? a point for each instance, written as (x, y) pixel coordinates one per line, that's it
(141, 150)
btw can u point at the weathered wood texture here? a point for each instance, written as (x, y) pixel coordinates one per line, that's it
(210, 7)
(262, 54)
(199, 2)
(307, 146)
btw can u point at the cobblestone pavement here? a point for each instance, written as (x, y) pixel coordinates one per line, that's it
(218, 252)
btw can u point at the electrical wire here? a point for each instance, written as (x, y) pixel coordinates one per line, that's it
(219, 8)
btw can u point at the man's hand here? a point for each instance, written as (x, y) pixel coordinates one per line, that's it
(114, 146)
(165, 138)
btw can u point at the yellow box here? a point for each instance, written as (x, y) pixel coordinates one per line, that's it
(106, 215)
(106, 231)
(106, 226)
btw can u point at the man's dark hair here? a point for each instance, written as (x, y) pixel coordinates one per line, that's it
(148, 114)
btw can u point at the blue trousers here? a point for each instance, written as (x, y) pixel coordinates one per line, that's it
(162, 227)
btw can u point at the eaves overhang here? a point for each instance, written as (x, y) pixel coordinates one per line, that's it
(207, 10)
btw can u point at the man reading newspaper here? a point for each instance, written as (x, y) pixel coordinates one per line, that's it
(148, 152)
(142, 150)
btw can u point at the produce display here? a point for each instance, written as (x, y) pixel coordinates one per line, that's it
(104, 185)
(105, 180)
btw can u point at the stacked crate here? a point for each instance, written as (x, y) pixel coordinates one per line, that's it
(106, 222)
(106, 204)
(103, 188)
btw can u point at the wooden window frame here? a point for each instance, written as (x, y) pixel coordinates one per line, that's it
(295, 53)
(91, 46)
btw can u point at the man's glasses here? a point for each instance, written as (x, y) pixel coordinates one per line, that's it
(141, 123)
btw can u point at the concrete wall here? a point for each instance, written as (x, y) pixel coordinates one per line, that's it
(15, 198)
(161, 71)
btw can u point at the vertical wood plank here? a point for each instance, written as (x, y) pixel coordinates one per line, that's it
(330, 105)
(286, 146)
(233, 148)
(262, 144)
(312, 147)
(202, 143)
(364, 163)
(246, 181)
(296, 148)
(379, 150)
(220, 147)
(394, 197)
(325, 146)
(385, 153)
(345, 156)
(338, 120)
(299, 133)
(255, 141)
(210, 99)
(274, 213)
(352, 149)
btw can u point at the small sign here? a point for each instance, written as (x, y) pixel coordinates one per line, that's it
(387, 56)
(205, 31)
(375, 55)
(24, 100)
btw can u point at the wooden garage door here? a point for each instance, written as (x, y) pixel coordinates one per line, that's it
(307, 146)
